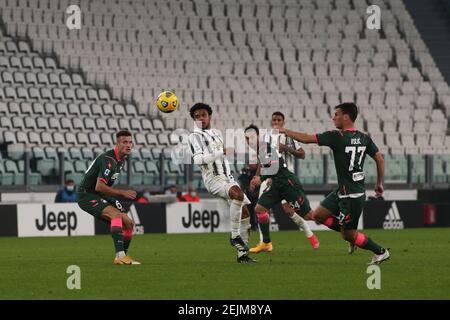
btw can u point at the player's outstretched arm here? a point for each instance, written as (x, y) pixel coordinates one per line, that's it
(102, 188)
(379, 160)
(301, 137)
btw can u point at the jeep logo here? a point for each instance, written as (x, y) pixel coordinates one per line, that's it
(61, 220)
(205, 219)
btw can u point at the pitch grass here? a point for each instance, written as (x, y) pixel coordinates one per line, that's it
(202, 266)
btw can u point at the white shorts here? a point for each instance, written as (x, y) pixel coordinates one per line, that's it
(219, 186)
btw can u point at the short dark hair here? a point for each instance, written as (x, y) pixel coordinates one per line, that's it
(278, 113)
(200, 106)
(70, 181)
(252, 127)
(123, 133)
(349, 108)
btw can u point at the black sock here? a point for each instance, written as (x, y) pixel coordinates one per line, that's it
(117, 236)
(373, 246)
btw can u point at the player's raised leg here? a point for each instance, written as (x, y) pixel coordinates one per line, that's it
(296, 205)
(327, 212)
(323, 215)
(302, 224)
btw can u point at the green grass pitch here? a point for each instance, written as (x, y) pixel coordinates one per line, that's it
(203, 266)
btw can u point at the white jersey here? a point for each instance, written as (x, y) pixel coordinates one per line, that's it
(289, 159)
(275, 139)
(206, 142)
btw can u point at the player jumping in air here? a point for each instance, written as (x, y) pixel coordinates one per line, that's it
(278, 184)
(98, 198)
(209, 153)
(341, 209)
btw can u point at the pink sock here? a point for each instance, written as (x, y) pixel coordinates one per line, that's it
(263, 217)
(361, 239)
(329, 221)
(116, 223)
(127, 234)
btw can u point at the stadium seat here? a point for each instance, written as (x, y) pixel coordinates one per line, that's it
(94, 139)
(46, 167)
(87, 153)
(54, 124)
(96, 110)
(152, 139)
(16, 151)
(50, 109)
(106, 139)
(124, 124)
(34, 138)
(75, 153)
(58, 138)
(89, 124)
(30, 123)
(82, 138)
(71, 139)
(85, 109)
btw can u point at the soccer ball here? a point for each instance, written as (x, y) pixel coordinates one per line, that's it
(167, 102)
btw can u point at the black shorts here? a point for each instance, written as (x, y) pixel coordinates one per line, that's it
(94, 204)
(346, 210)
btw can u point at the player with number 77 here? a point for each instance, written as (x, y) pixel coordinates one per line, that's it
(341, 209)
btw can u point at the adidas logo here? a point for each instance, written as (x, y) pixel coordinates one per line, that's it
(393, 219)
(138, 227)
(273, 222)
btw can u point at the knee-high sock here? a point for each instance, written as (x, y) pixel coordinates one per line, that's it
(332, 223)
(244, 230)
(117, 235)
(264, 226)
(127, 235)
(366, 243)
(235, 217)
(302, 224)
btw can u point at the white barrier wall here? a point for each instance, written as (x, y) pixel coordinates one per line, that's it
(51, 220)
(209, 215)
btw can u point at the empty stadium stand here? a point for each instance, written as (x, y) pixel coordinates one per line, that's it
(68, 91)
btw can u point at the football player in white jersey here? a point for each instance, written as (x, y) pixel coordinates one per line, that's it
(208, 152)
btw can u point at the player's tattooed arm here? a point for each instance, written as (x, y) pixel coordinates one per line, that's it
(299, 153)
(102, 188)
(379, 160)
(301, 137)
